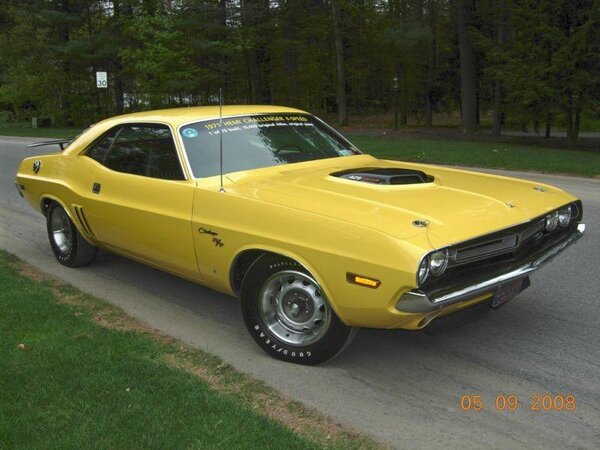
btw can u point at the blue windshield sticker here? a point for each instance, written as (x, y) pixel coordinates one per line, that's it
(189, 133)
(345, 152)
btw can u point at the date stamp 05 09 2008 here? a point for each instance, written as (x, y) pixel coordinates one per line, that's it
(511, 402)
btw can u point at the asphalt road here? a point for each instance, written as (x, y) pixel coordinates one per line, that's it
(403, 388)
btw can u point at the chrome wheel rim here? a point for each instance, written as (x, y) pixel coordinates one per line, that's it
(294, 308)
(61, 230)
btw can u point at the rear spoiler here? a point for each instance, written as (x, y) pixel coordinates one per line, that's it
(62, 143)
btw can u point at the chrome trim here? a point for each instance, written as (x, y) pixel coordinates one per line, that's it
(426, 256)
(419, 268)
(336, 132)
(446, 261)
(180, 152)
(416, 301)
(281, 317)
(18, 186)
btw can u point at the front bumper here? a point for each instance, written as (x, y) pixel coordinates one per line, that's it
(416, 301)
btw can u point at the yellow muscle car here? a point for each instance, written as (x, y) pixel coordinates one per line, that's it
(316, 238)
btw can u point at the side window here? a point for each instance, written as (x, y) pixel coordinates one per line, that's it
(144, 149)
(100, 149)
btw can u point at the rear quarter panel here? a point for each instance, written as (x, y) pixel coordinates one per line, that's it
(53, 180)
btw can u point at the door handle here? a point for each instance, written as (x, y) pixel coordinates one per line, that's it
(96, 188)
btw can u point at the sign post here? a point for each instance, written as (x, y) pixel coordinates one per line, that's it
(101, 80)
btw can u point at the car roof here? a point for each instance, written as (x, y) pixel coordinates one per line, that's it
(178, 116)
(174, 117)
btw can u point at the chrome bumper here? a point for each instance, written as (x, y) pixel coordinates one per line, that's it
(416, 301)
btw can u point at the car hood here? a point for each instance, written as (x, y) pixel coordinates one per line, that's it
(457, 205)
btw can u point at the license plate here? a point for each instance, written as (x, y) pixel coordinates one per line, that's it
(507, 292)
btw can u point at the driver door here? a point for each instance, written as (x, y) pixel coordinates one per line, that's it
(141, 201)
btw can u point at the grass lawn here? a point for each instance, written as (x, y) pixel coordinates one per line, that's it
(482, 154)
(25, 130)
(76, 372)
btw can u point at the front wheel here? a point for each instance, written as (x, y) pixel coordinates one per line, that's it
(68, 245)
(288, 315)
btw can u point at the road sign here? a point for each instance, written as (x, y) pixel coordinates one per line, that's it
(101, 80)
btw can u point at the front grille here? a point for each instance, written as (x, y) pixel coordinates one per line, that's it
(486, 249)
(498, 252)
(504, 241)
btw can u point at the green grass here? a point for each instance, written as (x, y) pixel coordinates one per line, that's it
(76, 384)
(25, 130)
(482, 154)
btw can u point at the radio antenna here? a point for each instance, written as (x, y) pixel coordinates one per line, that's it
(221, 189)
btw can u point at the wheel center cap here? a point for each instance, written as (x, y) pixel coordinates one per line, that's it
(297, 306)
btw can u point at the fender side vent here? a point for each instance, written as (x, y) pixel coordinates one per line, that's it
(82, 221)
(385, 176)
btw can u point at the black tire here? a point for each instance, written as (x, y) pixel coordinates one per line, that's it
(69, 246)
(330, 341)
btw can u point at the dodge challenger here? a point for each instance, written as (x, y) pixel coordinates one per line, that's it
(271, 205)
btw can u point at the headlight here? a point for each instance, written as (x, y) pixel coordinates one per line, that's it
(423, 270)
(434, 263)
(438, 261)
(552, 221)
(564, 216)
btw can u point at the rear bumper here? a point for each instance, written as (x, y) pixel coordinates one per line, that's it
(416, 301)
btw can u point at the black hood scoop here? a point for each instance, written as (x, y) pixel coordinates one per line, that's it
(385, 176)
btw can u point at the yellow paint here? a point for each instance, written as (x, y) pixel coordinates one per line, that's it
(331, 226)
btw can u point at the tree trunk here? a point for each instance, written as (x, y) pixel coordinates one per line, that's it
(403, 96)
(64, 35)
(468, 85)
(254, 14)
(223, 13)
(477, 110)
(254, 78)
(570, 139)
(401, 93)
(497, 128)
(340, 65)
(431, 63)
(576, 126)
(291, 60)
(548, 125)
(119, 90)
(573, 119)
(121, 14)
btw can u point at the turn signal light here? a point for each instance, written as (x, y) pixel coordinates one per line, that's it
(362, 281)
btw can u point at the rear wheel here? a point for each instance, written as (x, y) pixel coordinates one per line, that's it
(288, 315)
(68, 245)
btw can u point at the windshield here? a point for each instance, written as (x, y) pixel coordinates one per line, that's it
(252, 142)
